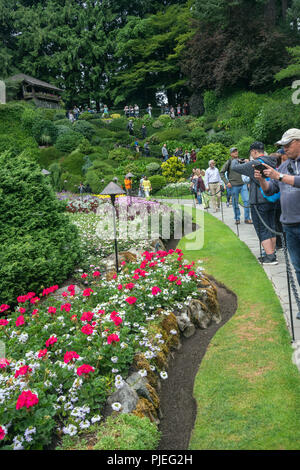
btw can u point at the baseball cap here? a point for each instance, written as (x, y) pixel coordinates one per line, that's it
(233, 149)
(256, 146)
(288, 136)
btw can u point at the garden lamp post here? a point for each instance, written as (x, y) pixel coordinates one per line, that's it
(112, 190)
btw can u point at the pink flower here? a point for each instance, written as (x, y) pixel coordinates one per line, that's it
(74, 317)
(84, 275)
(102, 312)
(155, 290)
(34, 300)
(66, 307)
(123, 263)
(50, 341)
(65, 294)
(117, 320)
(22, 299)
(87, 329)
(178, 282)
(87, 292)
(2, 433)
(191, 273)
(120, 287)
(182, 271)
(131, 300)
(4, 307)
(22, 310)
(42, 352)
(136, 276)
(69, 356)
(3, 363)
(3, 322)
(115, 276)
(20, 320)
(28, 399)
(34, 312)
(96, 274)
(85, 369)
(172, 278)
(87, 316)
(113, 339)
(71, 288)
(130, 285)
(52, 310)
(23, 371)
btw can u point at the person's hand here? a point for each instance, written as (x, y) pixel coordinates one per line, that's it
(229, 185)
(257, 174)
(271, 172)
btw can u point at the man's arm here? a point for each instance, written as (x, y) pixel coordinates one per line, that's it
(268, 187)
(287, 179)
(224, 169)
(243, 168)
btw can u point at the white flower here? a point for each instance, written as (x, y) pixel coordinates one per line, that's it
(115, 371)
(85, 424)
(164, 375)
(95, 419)
(116, 406)
(71, 430)
(62, 398)
(152, 368)
(173, 332)
(143, 372)
(114, 359)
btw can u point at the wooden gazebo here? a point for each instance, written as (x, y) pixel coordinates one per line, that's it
(42, 93)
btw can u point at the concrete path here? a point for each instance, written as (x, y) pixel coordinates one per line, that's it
(277, 274)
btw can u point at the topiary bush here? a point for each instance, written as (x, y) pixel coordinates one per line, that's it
(39, 246)
(157, 124)
(153, 168)
(157, 182)
(172, 169)
(62, 129)
(64, 122)
(84, 128)
(68, 142)
(217, 152)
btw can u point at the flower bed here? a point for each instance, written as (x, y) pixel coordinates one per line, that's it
(65, 357)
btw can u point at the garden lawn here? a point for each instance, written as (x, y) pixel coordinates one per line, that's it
(247, 389)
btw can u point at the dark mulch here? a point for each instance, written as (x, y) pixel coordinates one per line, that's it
(178, 406)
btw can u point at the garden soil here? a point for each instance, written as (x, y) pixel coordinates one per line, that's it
(178, 405)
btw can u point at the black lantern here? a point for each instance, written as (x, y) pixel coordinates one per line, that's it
(112, 190)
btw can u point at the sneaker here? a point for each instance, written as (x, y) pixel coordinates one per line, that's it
(248, 221)
(269, 260)
(237, 222)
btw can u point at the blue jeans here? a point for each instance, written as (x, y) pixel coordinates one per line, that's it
(293, 244)
(235, 191)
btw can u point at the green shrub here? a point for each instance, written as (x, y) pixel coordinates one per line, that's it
(39, 246)
(217, 152)
(73, 163)
(44, 131)
(157, 182)
(165, 119)
(222, 137)
(64, 122)
(70, 182)
(243, 146)
(68, 142)
(117, 125)
(49, 155)
(84, 128)
(153, 168)
(85, 147)
(169, 134)
(172, 169)
(48, 113)
(87, 164)
(199, 136)
(55, 176)
(88, 116)
(59, 115)
(97, 180)
(105, 133)
(62, 129)
(29, 117)
(157, 124)
(120, 154)
(18, 143)
(210, 101)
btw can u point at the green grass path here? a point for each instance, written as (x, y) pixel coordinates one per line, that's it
(247, 389)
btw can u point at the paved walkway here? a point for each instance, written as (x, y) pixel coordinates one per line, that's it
(277, 274)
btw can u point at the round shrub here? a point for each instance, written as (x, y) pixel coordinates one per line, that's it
(62, 129)
(172, 169)
(165, 119)
(157, 124)
(199, 136)
(84, 128)
(49, 155)
(39, 246)
(44, 131)
(153, 168)
(73, 163)
(97, 180)
(120, 154)
(68, 142)
(64, 122)
(117, 125)
(222, 137)
(217, 152)
(157, 182)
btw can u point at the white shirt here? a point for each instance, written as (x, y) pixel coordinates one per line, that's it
(212, 175)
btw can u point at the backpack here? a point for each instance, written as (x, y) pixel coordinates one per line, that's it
(275, 197)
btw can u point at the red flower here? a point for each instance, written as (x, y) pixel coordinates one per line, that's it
(22, 310)
(87, 292)
(3, 322)
(178, 282)
(182, 271)
(71, 288)
(52, 310)
(87, 316)
(85, 369)
(28, 399)
(191, 273)
(123, 263)
(4, 307)
(2, 433)
(136, 276)
(102, 312)
(155, 290)
(115, 276)
(42, 352)
(20, 320)
(113, 339)
(65, 294)
(172, 278)
(74, 317)
(22, 298)
(131, 300)
(34, 312)
(87, 329)
(129, 286)
(3, 363)
(66, 307)
(84, 275)
(117, 320)
(96, 274)
(120, 287)
(69, 356)
(34, 300)
(51, 340)
(23, 371)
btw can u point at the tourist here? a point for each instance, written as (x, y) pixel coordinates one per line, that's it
(234, 182)
(198, 185)
(147, 187)
(128, 184)
(136, 111)
(81, 188)
(76, 113)
(185, 109)
(147, 149)
(105, 111)
(71, 117)
(179, 110)
(149, 110)
(193, 156)
(213, 184)
(165, 153)
(137, 146)
(131, 111)
(144, 131)
(172, 112)
(126, 111)
(186, 157)
(130, 127)
(141, 187)
(287, 181)
(262, 208)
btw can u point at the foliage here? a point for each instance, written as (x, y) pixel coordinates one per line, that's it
(44, 131)
(73, 163)
(217, 152)
(68, 142)
(38, 245)
(157, 124)
(174, 190)
(153, 168)
(210, 102)
(172, 169)
(55, 176)
(157, 182)
(120, 154)
(222, 137)
(48, 155)
(243, 146)
(199, 136)
(84, 128)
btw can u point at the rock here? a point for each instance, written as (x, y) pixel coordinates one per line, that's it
(109, 263)
(58, 294)
(185, 324)
(139, 384)
(189, 331)
(127, 396)
(200, 315)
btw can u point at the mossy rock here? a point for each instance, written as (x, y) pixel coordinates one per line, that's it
(140, 362)
(145, 408)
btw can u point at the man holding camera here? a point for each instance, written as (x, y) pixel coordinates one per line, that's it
(262, 209)
(287, 181)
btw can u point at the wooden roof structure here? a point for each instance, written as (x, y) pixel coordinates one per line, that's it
(34, 82)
